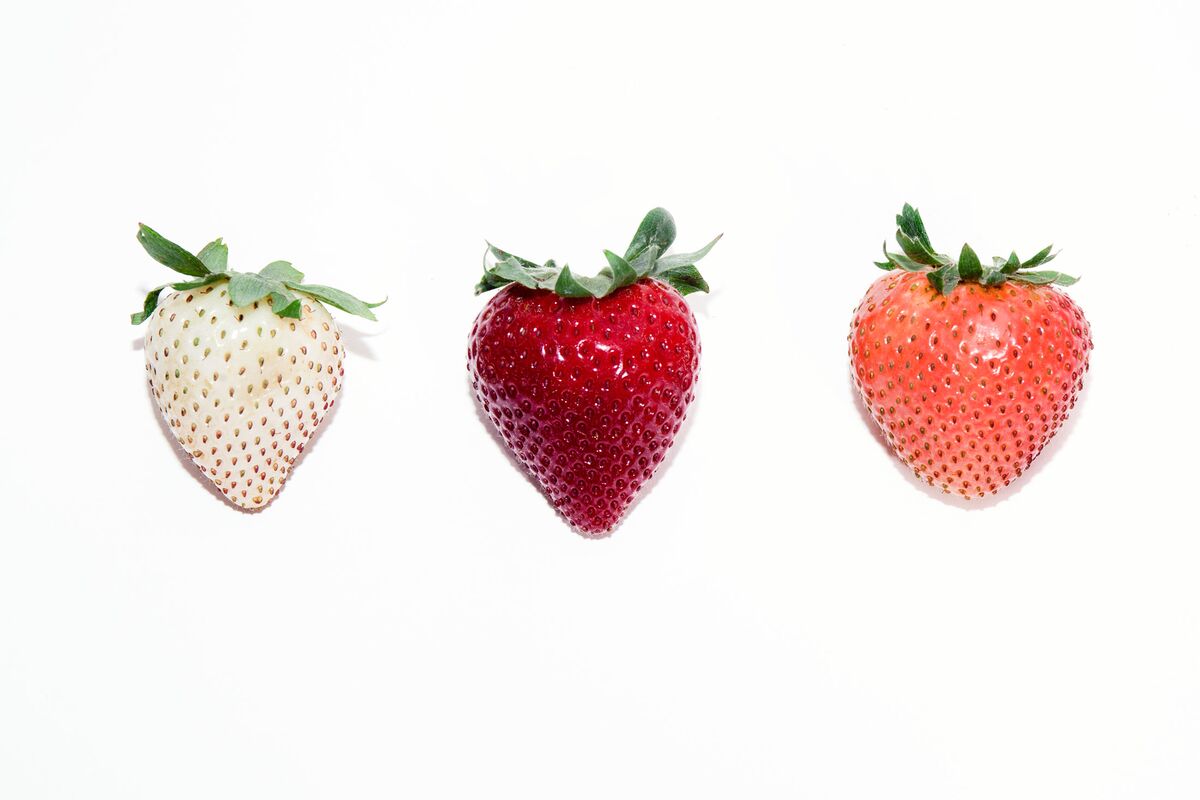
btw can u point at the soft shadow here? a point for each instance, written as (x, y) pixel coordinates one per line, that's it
(358, 342)
(185, 461)
(958, 501)
(700, 302)
(498, 440)
(326, 421)
(689, 419)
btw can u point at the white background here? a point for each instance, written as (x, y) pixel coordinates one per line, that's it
(787, 613)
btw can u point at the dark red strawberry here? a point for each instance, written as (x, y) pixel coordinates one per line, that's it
(969, 370)
(589, 379)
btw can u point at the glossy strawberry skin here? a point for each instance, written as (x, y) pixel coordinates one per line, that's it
(587, 393)
(968, 387)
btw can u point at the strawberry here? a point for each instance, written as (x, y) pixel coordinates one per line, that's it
(969, 370)
(588, 380)
(243, 366)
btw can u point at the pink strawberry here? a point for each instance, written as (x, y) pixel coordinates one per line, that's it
(969, 370)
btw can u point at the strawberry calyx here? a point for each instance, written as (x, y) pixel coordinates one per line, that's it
(644, 258)
(945, 273)
(279, 281)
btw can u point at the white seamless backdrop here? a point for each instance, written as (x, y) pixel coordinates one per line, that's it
(787, 613)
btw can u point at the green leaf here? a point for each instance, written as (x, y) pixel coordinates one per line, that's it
(337, 298)
(502, 255)
(1012, 264)
(969, 268)
(281, 271)
(246, 288)
(214, 256)
(622, 273)
(1042, 278)
(919, 255)
(656, 232)
(657, 228)
(685, 279)
(512, 271)
(887, 263)
(152, 298)
(490, 281)
(918, 251)
(945, 279)
(1036, 278)
(170, 254)
(292, 310)
(910, 222)
(1043, 256)
(904, 262)
(683, 259)
(148, 306)
(569, 285)
(196, 284)
(277, 280)
(993, 277)
(646, 261)
(285, 304)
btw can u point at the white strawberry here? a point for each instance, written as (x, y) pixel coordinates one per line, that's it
(243, 366)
